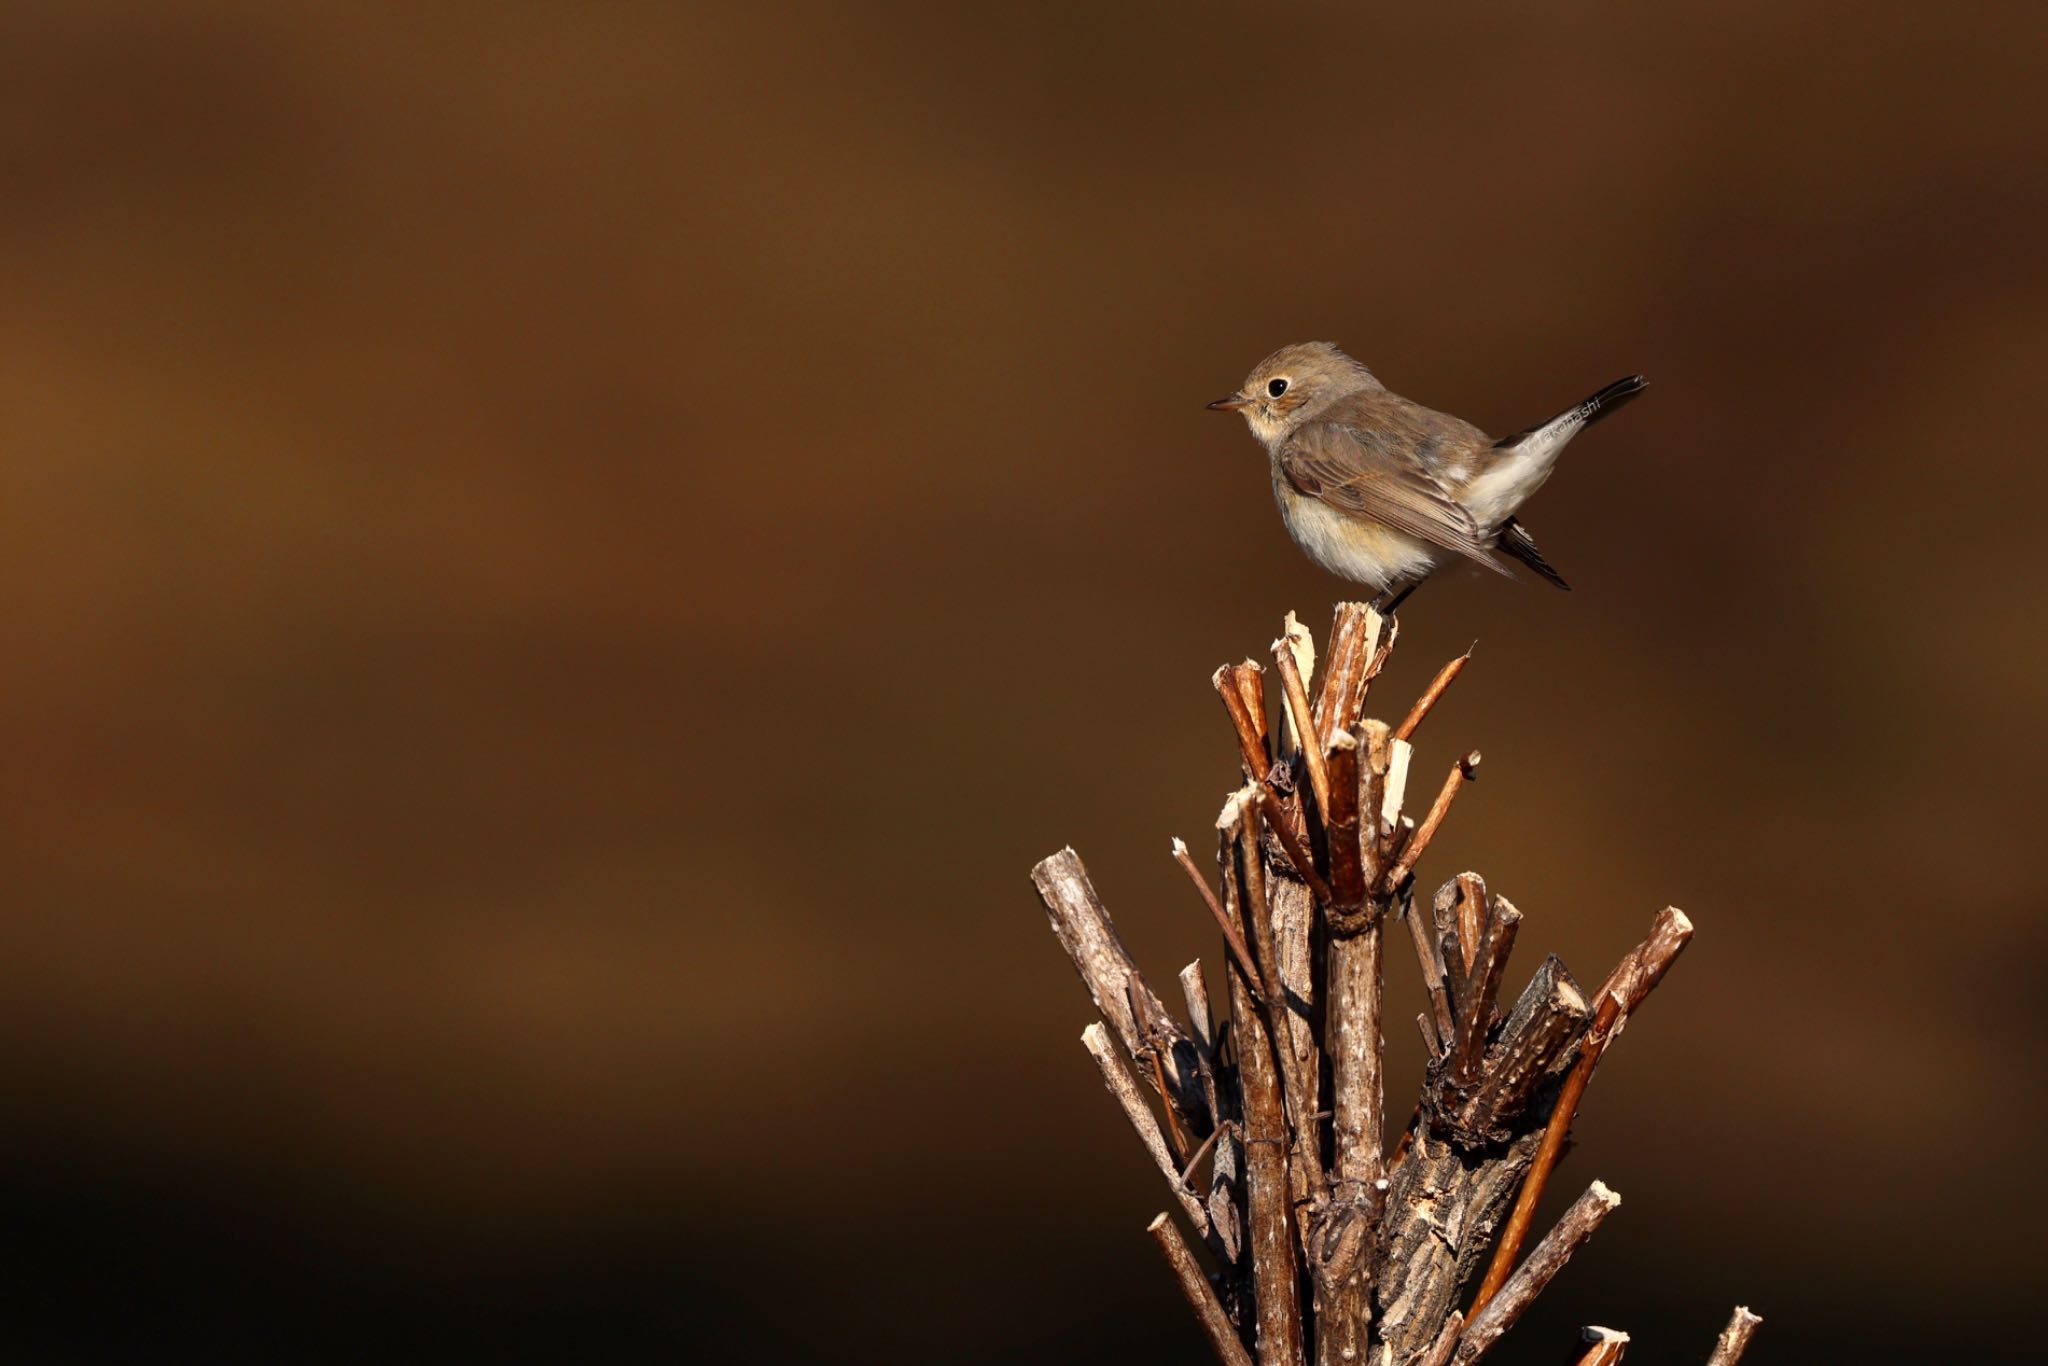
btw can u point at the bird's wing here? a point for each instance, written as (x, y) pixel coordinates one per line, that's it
(1376, 474)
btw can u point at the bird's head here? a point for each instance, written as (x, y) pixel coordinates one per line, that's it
(1292, 385)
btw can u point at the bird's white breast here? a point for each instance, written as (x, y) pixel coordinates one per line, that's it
(1356, 548)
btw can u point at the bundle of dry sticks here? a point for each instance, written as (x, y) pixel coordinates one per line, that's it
(1326, 1240)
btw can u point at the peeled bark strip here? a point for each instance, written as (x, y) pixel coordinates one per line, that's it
(1375, 763)
(1394, 795)
(1301, 649)
(1314, 853)
(1354, 645)
(1606, 1347)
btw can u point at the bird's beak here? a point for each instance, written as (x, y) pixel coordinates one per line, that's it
(1228, 405)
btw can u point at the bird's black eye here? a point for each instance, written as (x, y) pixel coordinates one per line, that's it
(1276, 387)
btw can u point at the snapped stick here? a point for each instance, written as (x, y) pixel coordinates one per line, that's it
(1200, 1295)
(1734, 1339)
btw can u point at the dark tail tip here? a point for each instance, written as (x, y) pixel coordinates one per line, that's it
(1611, 398)
(1586, 412)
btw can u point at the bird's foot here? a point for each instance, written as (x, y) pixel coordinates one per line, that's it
(1388, 600)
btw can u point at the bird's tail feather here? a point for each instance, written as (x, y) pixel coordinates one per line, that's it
(1587, 411)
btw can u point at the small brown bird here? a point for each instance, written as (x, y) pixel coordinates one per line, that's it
(1382, 490)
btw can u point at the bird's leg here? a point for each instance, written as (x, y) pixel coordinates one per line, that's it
(1386, 605)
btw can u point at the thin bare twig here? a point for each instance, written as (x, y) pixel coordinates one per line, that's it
(1484, 1326)
(1194, 993)
(1432, 1046)
(1462, 772)
(1096, 1040)
(1446, 1341)
(1638, 974)
(1200, 1295)
(1547, 1153)
(1734, 1339)
(1161, 1035)
(1231, 937)
(1187, 1172)
(1431, 695)
(1627, 987)
(1086, 932)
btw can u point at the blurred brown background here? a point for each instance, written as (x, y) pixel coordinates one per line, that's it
(558, 564)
